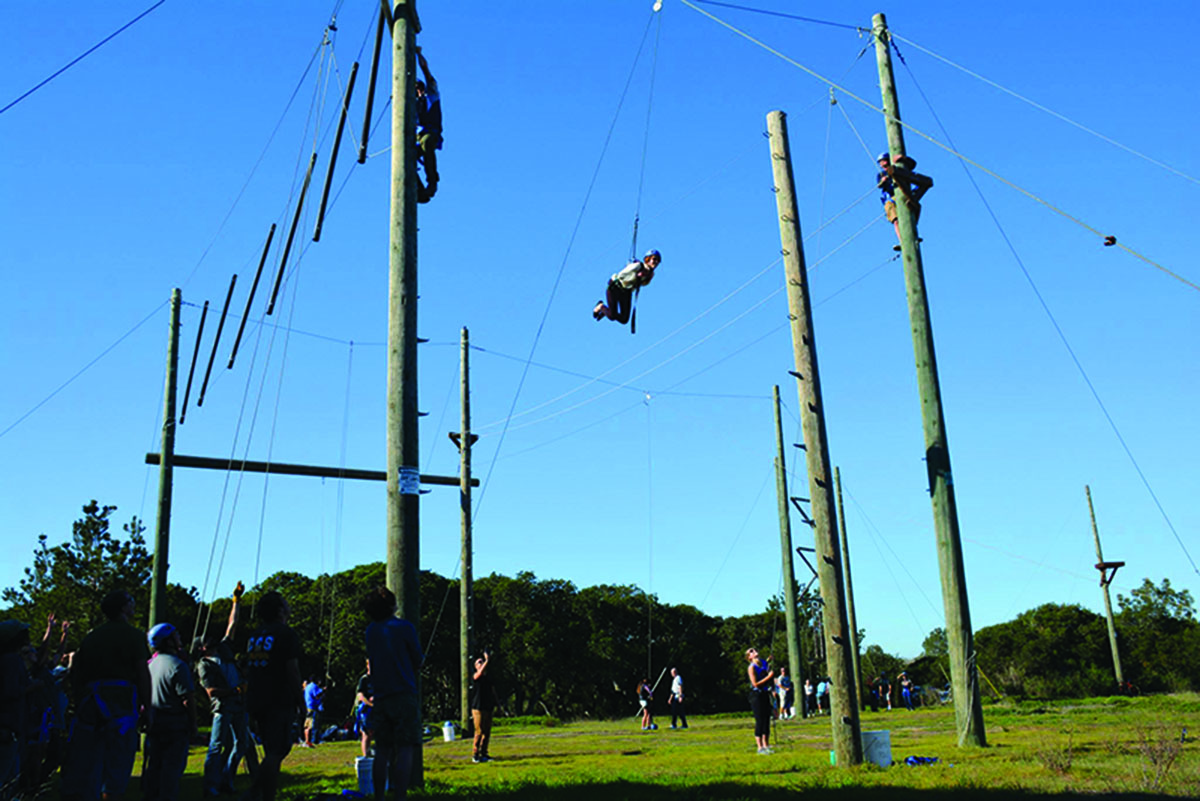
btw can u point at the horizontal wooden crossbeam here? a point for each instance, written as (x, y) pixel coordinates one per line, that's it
(284, 469)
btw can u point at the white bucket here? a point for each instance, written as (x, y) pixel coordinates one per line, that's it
(448, 731)
(366, 783)
(877, 747)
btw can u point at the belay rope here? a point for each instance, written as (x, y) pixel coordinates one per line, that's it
(633, 255)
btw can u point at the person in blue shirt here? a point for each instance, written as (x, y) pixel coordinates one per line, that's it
(314, 704)
(762, 682)
(396, 657)
(913, 188)
(429, 129)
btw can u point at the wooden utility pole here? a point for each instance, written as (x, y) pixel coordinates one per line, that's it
(466, 598)
(841, 513)
(964, 676)
(403, 455)
(795, 666)
(162, 528)
(1105, 579)
(847, 736)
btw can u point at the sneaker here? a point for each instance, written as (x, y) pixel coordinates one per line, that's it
(477, 758)
(673, 726)
(762, 752)
(598, 312)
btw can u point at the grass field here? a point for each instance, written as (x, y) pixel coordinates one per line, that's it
(1118, 747)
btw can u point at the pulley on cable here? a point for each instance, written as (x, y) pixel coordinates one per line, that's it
(624, 286)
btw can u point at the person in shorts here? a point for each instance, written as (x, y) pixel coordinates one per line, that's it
(396, 656)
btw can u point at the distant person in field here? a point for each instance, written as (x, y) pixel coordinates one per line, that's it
(787, 695)
(676, 700)
(913, 188)
(809, 696)
(171, 692)
(229, 740)
(645, 696)
(762, 680)
(828, 685)
(364, 700)
(314, 702)
(275, 693)
(822, 694)
(111, 681)
(618, 302)
(906, 690)
(885, 692)
(483, 703)
(396, 657)
(429, 129)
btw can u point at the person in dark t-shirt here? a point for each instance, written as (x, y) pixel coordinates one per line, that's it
(483, 702)
(275, 696)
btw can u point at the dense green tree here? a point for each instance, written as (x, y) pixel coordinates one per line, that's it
(70, 579)
(1159, 637)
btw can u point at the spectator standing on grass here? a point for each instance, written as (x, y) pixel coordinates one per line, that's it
(364, 700)
(786, 694)
(174, 716)
(111, 682)
(809, 695)
(314, 702)
(229, 741)
(396, 657)
(483, 702)
(828, 684)
(645, 696)
(906, 687)
(676, 700)
(761, 683)
(820, 696)
(275, 693)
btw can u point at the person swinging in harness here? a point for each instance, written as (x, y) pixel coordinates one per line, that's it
(623, 285)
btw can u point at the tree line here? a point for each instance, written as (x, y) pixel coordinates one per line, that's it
(570, 652)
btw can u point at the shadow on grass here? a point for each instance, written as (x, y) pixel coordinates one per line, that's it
(733, 791)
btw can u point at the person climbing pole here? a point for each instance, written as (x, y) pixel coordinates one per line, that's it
(913, 188)
(618, 301)
(429, 129)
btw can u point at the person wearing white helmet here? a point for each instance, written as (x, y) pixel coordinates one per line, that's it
(174, 723)
(914, 188)
(618, 303)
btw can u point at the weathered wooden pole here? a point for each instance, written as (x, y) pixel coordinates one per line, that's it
(162, 529)
(841, 513)
(1108, 613)
(466, 598)
(403, 455)
(795, 666)
(847, 736)
(366, 129)
(964, 676)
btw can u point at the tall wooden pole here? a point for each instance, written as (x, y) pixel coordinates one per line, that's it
(1108, 613)
(466, 623)
(162, 529)
(841, 512)
(847, 736)
(964, 675)
(795, 666)
(403, 456)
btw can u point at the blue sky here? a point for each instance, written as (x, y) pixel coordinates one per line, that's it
(139, 170)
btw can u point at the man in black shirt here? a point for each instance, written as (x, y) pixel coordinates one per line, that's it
(483, 702)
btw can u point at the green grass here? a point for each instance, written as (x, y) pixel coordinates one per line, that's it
(1115, 747)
